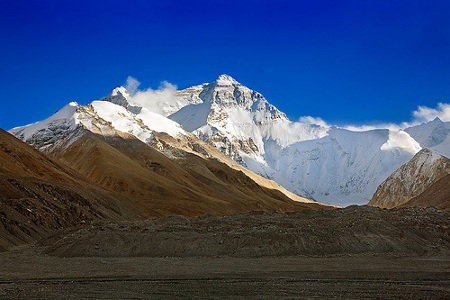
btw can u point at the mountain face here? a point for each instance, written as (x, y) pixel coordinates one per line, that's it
(88, 170)
(434, 135)
(437, 195)
(411, 179)
(327, 164)
(343, 167)
(150, 160)
(39, 195)
(238, 120)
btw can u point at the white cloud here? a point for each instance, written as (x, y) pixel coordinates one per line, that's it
(159, 101)
(313, 121)
(423, 114)
(132, 85)
(398, 139)
(426, 114)
(390, 126)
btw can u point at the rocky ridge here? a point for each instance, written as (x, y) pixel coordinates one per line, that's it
(411, 179)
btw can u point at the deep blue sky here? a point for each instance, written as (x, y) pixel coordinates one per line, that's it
(344, 61)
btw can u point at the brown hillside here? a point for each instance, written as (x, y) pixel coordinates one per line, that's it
(171, 146)
(411, 179)
(155, 185)
(437, 195)
(117, 178)
(19, 159)
(39, 195)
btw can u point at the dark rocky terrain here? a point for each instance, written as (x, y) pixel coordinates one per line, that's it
(352, 253)
(27, 275)
(353, 230)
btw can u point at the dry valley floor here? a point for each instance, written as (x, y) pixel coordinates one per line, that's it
(351, 253)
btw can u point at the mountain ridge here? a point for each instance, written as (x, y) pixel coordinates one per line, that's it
(118, 177)
(261, 138)
(304, 158)
(411, 180)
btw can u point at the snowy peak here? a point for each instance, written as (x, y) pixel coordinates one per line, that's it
(122, 97)
(226, 80)
(120, 91)
(411, 179)
(229, 116)
(119, 96)
(436, 121)
(226, 93)
(434, 135)
(113, 115)
(63, 118)
(232, 117)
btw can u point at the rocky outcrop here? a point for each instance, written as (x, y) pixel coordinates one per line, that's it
(411, 179)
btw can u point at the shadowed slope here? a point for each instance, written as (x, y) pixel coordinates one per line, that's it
(117, 178)
(155, 185)
(39, 195)
(437, 195)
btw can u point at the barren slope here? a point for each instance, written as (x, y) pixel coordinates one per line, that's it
(437, 195)
(200, 148)
(117, 178)
(39, 195)
(411, 179)
(155, 185)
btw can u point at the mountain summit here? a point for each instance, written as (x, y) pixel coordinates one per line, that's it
(226, 80)
(232, 117)
(319, 162)
(142, 155)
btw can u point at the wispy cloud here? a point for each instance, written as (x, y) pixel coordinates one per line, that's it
(391, 126)
(313, 121)
(426, 114)
(421, 115)
(154, 100)
(365, 127)
(132, 85)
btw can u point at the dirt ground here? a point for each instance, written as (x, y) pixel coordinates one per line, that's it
(26, 275)
(352, 253)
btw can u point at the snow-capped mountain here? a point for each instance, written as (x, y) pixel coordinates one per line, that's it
(434, 135)
(117, 115)
(101, 117)
(238, 120)
(343, 167)
(328, 164)
(411, 179)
